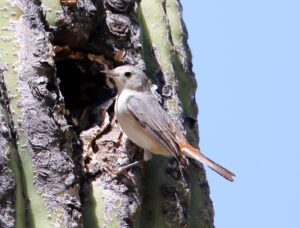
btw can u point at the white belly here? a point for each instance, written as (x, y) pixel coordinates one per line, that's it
(133, 129)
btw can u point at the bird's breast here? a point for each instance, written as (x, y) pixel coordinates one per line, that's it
(132, 128)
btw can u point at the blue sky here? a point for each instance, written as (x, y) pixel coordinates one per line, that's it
(246, 56)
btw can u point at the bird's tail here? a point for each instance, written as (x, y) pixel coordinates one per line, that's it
(193, 153)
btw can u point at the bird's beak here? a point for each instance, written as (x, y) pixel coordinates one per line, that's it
(109, 73)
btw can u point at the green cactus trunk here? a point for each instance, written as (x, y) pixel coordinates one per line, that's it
(64, 148)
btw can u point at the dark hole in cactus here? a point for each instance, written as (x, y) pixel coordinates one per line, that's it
(84, 89)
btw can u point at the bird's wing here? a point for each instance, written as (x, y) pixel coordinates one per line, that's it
(153, 118)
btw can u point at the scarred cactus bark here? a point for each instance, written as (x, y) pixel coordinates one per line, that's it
(62, 150)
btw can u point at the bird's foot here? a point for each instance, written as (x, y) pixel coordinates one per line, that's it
(131, 165)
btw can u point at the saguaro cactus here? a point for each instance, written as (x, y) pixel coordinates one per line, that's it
(62, 150)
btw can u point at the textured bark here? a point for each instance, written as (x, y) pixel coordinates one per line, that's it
(44, 140)
(109, 37)
(61, 146)
(7, 148)
(9, 157)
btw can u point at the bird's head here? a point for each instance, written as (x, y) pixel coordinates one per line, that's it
(128, 77)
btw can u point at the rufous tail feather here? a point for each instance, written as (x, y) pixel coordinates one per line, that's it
(193, 153)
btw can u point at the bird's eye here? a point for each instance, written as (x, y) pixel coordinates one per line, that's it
(128, 74)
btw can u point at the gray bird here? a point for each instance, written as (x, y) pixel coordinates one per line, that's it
(147, 124)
